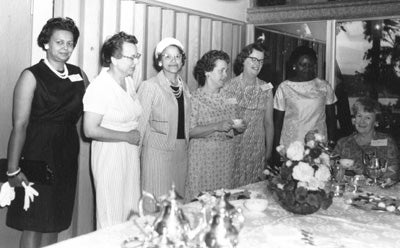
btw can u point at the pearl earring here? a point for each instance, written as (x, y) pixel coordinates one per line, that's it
(46, 46)
(294, 68)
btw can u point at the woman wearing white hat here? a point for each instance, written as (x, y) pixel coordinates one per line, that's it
(164, 124)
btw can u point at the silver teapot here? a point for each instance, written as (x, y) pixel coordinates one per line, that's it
(171, 224)
(226, 222)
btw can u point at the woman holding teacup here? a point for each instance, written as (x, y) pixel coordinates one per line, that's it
(366, 140)
(212, 127)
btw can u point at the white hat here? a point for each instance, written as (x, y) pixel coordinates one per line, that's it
(166, 42)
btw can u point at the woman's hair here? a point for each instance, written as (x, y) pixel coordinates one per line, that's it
(157, 60)
(244, 54)
(302, 51)
(367, 104)
(112, 47)
(57, 23)
(207, 63)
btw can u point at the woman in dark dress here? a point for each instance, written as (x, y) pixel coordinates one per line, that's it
(46, 107)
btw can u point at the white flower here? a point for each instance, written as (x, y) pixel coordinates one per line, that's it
(302, 184)
(311, 143)
(303, 172)
(324, 158)
(295, 151)
(314, 184)
(319, 137)
(288, 163)
(280, 186)
(317, 160)
(346, 163)
(323, 174)
(266, 172)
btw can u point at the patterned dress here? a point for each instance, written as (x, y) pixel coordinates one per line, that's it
(51, 136)
(383, 146)
(250, 146)
(210, 158)
(304, 105)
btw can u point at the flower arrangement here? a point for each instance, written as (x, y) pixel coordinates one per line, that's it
(303, 184)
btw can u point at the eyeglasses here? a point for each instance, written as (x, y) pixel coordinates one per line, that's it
(255, 60)
(169, 57)
(133, 57)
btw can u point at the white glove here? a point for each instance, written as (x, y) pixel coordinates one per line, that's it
(30, 193)
(7, 194)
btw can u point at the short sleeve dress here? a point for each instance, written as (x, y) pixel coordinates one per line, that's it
(51, 136)
(250, 151)
(115, 165)
(210, 158)
(304, 105)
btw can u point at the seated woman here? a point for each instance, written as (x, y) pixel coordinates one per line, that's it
(367, 140)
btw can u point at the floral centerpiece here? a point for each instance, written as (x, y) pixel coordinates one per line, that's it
(303, 184)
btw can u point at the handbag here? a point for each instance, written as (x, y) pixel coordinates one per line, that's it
(35, 171)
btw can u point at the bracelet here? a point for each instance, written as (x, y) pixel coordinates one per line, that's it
(13, 174)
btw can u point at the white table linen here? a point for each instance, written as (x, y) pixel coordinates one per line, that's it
(340, 226)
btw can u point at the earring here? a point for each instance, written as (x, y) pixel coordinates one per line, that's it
(159, 64)
(294, 68)
(46, 46)
(376, 124)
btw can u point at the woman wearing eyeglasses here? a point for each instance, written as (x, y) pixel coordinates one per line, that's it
(111, 115)
(254, 105)
(303, 102)
(164, 124)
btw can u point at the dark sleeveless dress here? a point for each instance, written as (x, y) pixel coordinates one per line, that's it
(51, 136)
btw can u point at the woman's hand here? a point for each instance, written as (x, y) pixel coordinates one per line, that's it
(16, 181)
(133, 137)
(224, 126)
(241, 127)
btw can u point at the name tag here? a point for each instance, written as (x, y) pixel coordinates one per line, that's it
(231, 101)
(267, 86)
(379, 142)
(75, 77)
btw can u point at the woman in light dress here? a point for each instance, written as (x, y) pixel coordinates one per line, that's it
(164, 124)
(303, 102)
(111, 115)
(211, 147)
(254, 105)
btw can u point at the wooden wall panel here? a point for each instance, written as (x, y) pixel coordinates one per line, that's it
(227, 37)
(139, 30)
(216, 35)
(205, 35)
(127, 17)
(193, 50)
(235, 47)
(110, 18)
(153, 37)
(168, 23)
(181, 33)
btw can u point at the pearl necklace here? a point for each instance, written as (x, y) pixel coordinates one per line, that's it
(177, 93)
(62, 75)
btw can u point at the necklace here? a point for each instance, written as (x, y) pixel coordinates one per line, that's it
(62, 75)
(177, 92)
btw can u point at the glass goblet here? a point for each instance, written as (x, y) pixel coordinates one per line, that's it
(356, 182)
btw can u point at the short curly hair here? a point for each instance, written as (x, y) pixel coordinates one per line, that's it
(112, 47)
(245, 53)
(367, 104)
(302, 51)
(57, 23)
(207, 63)
(158, 59)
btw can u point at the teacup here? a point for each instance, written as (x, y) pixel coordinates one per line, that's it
(237, 122)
